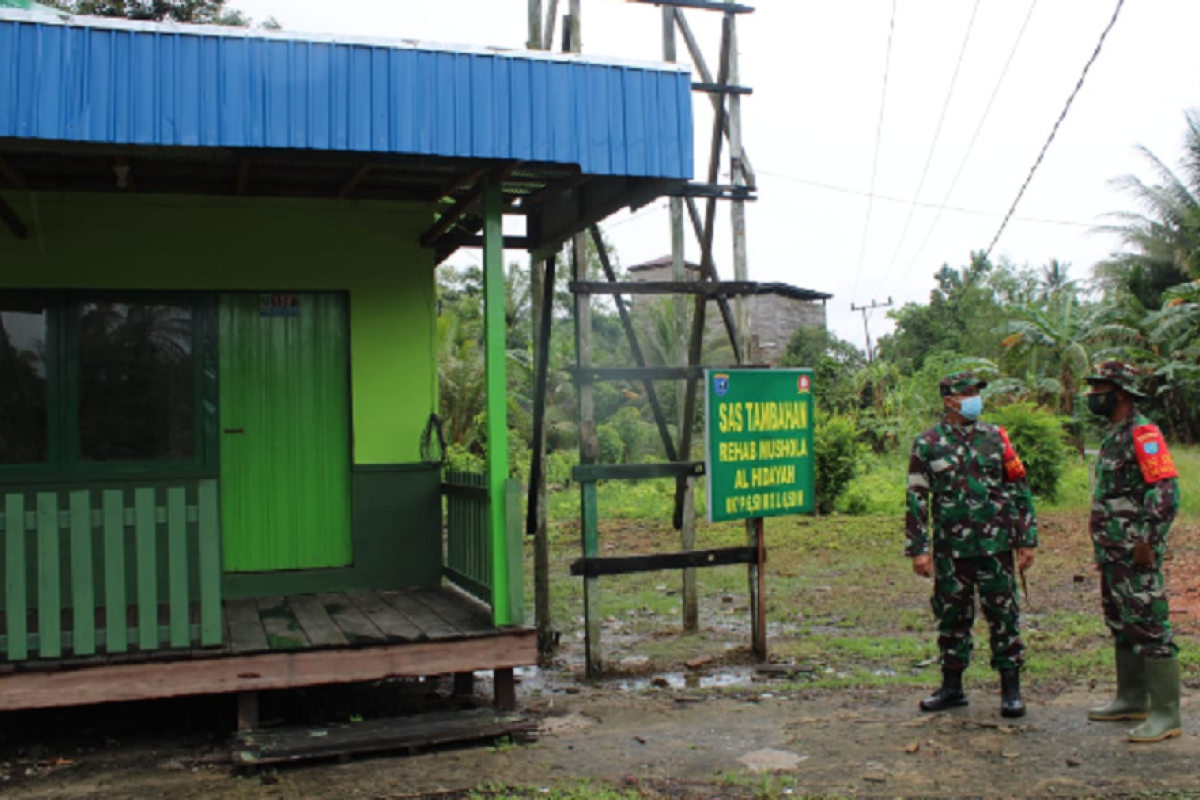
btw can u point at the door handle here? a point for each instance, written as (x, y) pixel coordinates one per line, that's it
(235, 430)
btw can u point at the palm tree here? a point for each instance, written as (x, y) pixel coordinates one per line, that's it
(1162, 243)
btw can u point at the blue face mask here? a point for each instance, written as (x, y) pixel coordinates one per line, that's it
(971, 407)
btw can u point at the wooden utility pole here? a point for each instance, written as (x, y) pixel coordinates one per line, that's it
(866, 327)
(541, 277)
(679, 274)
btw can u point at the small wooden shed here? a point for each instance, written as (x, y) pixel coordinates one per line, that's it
(218, 359)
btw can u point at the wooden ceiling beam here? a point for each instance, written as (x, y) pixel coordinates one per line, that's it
(11, 175)
(12, 220)
(354, 180)
(243, 176)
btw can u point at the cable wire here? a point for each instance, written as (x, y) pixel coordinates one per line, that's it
(956, 209)
(887, 66)
(933, 145)
(1054, 130)
(970, 147)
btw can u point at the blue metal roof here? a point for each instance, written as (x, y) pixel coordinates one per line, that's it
(101, 81)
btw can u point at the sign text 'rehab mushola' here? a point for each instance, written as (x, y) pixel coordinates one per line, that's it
(758, 436)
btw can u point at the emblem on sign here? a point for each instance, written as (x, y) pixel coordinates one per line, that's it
(721, 385)
(803, 384)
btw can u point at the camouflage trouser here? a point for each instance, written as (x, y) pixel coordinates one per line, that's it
(955, 583)
(1135, 608)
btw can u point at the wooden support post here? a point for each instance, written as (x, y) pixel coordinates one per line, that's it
(495, 355)
(589, 446)
(687, 529)
(706, 260)
(506, 689)
(758, 591)
(247, 711)
(464, 684)
(543, 280)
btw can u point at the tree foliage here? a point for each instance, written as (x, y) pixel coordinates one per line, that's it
(194, 12)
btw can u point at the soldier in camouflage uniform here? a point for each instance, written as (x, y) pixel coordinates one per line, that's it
(1133, 505)
(982, 511)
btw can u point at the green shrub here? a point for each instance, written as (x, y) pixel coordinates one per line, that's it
(1040, 441)
(879, 488)
(837, 453)
(612, 447)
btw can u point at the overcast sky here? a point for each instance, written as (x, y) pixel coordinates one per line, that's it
(818, 74)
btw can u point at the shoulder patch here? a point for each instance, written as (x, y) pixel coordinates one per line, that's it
(1152, 454)
(1014, 470)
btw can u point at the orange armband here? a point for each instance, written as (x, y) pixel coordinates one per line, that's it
(1014, 470)
(1152, 454)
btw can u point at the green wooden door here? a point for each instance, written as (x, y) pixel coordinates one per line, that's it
(285, 432)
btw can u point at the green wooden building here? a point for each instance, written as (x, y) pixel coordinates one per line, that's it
(218, 356)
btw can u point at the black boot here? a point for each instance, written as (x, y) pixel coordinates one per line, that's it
(1011, 704)
(949, 696)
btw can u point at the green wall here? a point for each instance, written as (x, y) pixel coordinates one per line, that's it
(131, 241)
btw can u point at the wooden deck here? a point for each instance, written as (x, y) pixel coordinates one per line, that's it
(290, 642)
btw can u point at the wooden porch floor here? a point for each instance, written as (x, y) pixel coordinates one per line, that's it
(289, 642)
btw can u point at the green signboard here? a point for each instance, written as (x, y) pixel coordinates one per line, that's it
(758, 443)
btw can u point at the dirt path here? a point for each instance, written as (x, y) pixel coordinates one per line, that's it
(675, 744)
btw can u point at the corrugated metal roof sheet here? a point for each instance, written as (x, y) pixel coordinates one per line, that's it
(100, 81)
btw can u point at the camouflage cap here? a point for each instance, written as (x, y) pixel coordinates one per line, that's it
(957, 382)
(1124, 376)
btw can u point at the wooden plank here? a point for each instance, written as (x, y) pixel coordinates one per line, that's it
(709, 288)
(266, 671)
(211, 627)
(586, 473)
(289, 745)
(246, 634)
(49, 578)
(460, 491)
(283, 631)
(316, 622)
(352, 622)
(147, 568)
(391, 622)
(432, 625)
(83, 591)
(705, 5)
(465, 615)
(624, 565)
(15, 584)
(177, 565)
(116, 627)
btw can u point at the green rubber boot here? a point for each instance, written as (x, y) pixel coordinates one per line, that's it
(1162, 674)
(1133, 696)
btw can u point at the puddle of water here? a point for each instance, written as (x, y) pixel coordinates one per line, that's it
(532, 679)
(686, 680)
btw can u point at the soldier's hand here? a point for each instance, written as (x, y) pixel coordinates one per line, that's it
(1143, 555)
(923, 565)
(1024, 558)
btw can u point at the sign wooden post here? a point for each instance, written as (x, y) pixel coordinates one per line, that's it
(758, 458)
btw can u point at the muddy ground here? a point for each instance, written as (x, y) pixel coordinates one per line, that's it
(656, 743)
(657, 729)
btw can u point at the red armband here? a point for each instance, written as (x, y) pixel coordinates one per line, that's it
(1014, 470)
(1152, 454)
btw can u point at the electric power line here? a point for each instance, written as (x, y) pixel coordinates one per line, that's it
(936, 135)
(970, 147)
(1058, 122)
(889, 198)
(887, 65)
